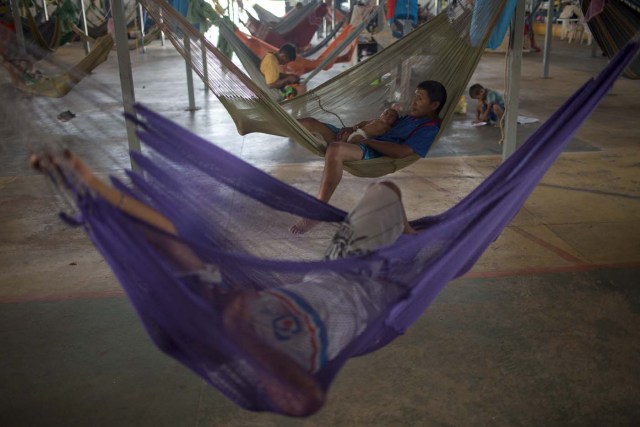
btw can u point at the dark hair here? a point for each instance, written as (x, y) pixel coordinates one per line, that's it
(289, 50)
(436, 92)
(475, 90)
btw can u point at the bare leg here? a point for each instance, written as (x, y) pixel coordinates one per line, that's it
(289, 388)
(178, 251)
(336, 154)
(478, 112)
(316, 126)
(499, 112)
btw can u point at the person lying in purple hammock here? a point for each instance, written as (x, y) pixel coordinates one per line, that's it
(286, 330)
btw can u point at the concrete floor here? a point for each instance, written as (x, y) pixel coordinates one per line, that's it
(545, 330)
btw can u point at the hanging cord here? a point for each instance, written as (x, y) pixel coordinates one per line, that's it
(502, 121)
(315, 96)
(107, 12)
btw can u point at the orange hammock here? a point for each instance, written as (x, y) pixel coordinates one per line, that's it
(302, 65)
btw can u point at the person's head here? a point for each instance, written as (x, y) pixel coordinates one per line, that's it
(24, 64)
(428, 99)
(389, 116)
(299, 5)
(286, 53)
(477, 91)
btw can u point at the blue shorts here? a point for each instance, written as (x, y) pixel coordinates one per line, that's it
(493, 117)
(367, 153)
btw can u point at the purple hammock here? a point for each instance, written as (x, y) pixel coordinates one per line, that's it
(236, 217)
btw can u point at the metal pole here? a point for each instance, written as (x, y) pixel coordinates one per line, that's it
(546, 58)
(333, 16)
(126, 76)
(46, 12)
(141, 17)
(438, 5)
(192, 98)
(85, 43)
(161, 32)
(516, 41)
(15, 11)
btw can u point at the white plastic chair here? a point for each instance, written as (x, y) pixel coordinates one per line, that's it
(569, 23)
(579, 31)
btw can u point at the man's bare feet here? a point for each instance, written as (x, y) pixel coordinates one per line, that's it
(289, 389)
(303, 225)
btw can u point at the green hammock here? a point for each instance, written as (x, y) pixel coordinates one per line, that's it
(58, 85)
(63, 18)
(446, 49)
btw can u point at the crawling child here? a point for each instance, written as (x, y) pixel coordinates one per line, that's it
(490, 104)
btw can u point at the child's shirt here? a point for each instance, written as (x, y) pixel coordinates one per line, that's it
(494, 97)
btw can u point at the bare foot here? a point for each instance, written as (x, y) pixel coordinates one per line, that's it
(35, 161)
(290, 389)
(303, 225)
(40, 162)
(80, 167)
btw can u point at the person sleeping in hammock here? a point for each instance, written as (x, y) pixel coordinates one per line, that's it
(291, 331)
(411, 134)
(21, 66)
(372, 128)
(288, 84)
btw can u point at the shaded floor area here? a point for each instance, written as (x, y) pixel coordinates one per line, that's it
(489, 351)
(544, 330)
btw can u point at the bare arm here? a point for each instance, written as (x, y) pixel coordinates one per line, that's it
(285, 79)
(362, 124)
(479, 110)
(344, 133)
(375, 128)
(485, 114)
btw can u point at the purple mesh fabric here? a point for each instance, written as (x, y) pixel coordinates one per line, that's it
(235, 218)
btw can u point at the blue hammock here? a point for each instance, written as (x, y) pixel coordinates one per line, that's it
(223, 207)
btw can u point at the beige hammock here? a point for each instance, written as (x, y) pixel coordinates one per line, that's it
(446, 49)
(59, 85)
